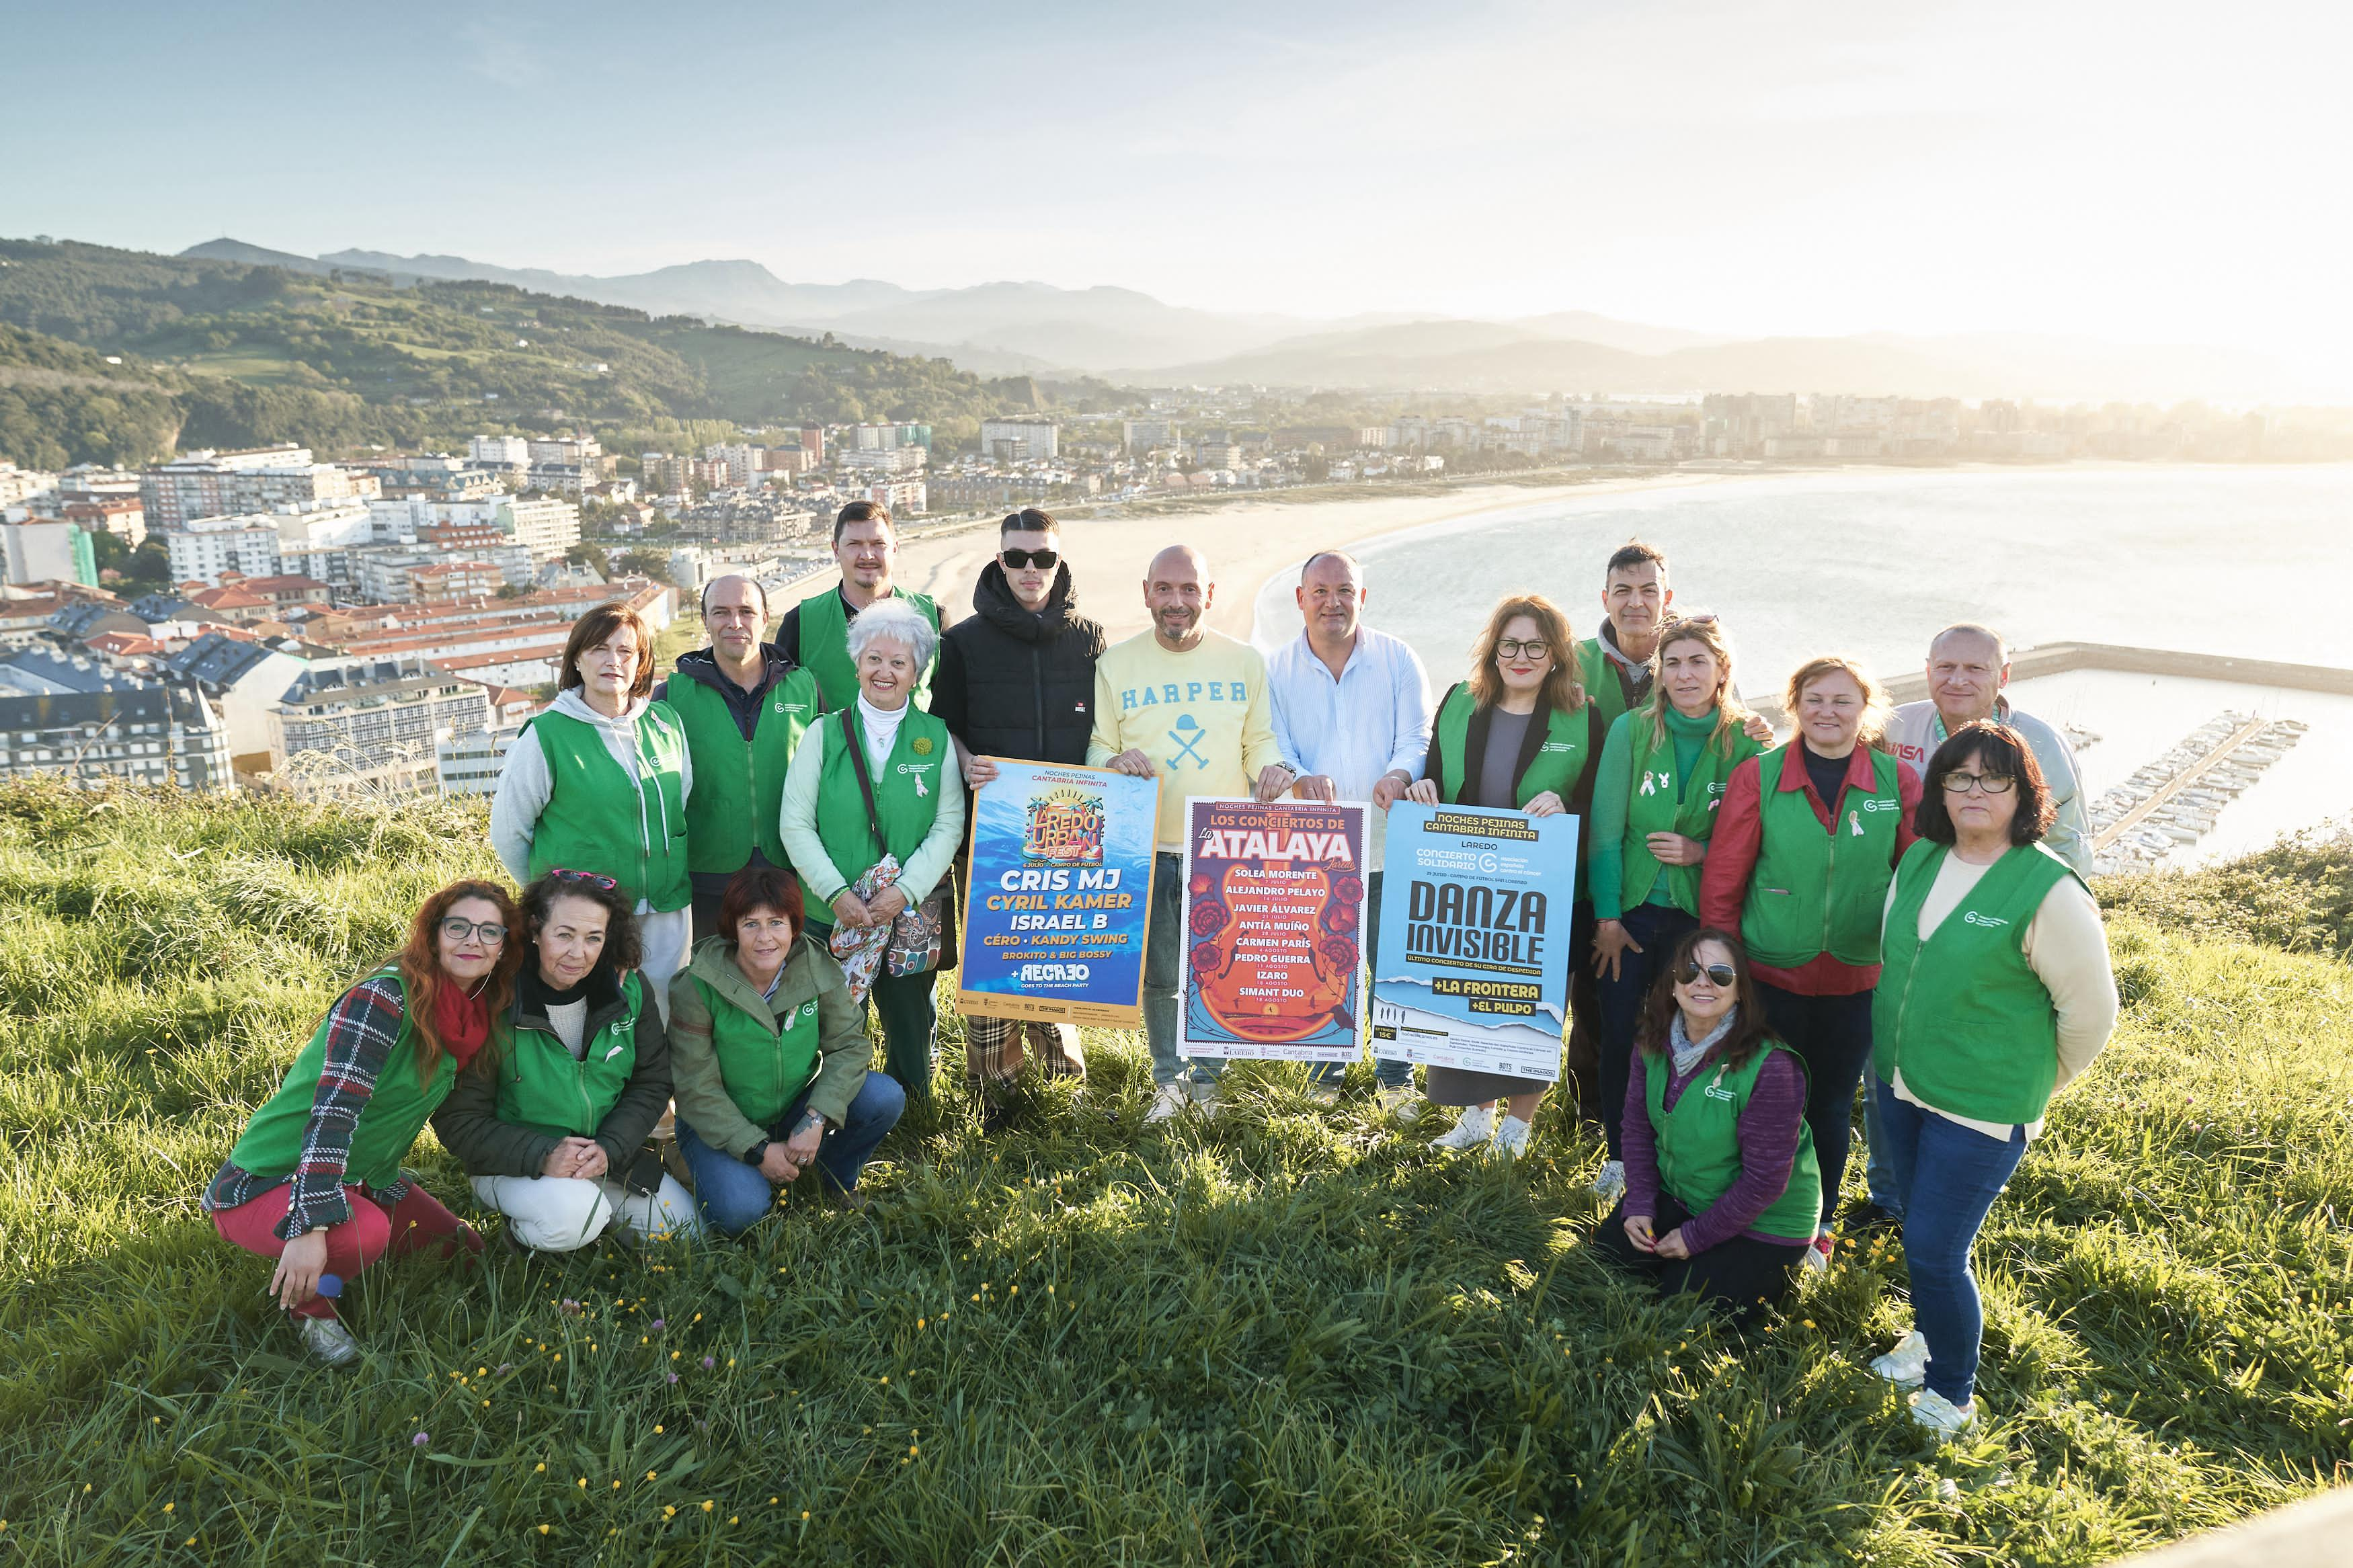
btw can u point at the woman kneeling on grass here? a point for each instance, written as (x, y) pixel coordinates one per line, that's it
(315, 1181)
(1997, 991)
(551, 1123)
(769, 1055)
(1721, 1189)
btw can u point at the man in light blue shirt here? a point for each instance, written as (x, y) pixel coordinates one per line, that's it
(1351, 710)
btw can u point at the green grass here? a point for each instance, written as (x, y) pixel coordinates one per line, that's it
(1294, 1337)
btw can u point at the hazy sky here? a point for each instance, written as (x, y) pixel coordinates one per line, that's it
(2154, 171)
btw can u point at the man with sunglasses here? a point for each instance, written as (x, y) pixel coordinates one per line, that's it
(745, 705)
(1352, 715)
(1016, 680)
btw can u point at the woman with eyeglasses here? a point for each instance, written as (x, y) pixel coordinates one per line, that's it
(1722, 1188)
(1997, 992)
(1803, 851)
(599, 781)
(769, 1054)
(1518, 735)
(873, 816)
(1661, 778)
(315, 1183)
(551, 1123)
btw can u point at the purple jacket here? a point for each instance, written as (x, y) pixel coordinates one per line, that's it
(1769, 1124)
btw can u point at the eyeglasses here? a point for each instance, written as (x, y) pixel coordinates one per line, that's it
(1018, 559)
(1989, 784)
(456, 928)
(1519, 648)
(593, 879)
(1722, 973)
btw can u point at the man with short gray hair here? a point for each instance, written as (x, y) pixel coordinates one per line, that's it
(1969, 665)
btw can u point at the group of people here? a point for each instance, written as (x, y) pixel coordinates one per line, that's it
(722, 873)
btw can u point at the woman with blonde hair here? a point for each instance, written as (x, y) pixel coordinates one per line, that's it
(1518, 735)
(1662, 776)
(1804, 849)
(598, 782)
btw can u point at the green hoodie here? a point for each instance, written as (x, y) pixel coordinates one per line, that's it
(734, 1071)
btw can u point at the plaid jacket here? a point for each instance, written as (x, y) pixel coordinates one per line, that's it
(362, 1028)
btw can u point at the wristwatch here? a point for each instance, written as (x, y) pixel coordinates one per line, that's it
(756, 1152)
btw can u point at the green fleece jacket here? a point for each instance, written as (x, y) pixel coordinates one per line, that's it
(810, 973)
(468, 1122)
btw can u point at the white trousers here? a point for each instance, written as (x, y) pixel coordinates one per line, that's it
(668, 942)
(564, 1214)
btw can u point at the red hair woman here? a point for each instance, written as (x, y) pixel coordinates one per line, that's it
(315, 1183)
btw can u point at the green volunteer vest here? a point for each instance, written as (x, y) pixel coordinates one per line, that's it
(1815, 892)
(396, 1111)
(825, 648)
(597, 820)
(764, 1069)
(739, 786)
(1559, 763)
(1600, 679)
(1962, 1014)
(541, 1088)
(907, 796)
(1653, 806)
(1699, 1145)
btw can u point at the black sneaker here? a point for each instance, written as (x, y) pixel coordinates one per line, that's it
(1865, 1218)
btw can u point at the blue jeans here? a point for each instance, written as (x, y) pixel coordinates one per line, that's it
(1388, 1074)
(1656, 927)
(733, 1196)
(1831, 1035)
(1161, 955)
(1949, 1176)
(1879, 1169)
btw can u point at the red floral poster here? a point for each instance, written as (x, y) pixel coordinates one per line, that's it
(1274, 907)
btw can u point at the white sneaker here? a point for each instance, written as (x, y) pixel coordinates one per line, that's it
(1166, 1101)
(1477, 1126)
(1511, 1138)
(1401, 1102)
(1816, 1259)
(1610, 1184)
(328, 1341)
(1936, 1413)
(1205, 1101)
(1323, 1093)
(1905, 1366)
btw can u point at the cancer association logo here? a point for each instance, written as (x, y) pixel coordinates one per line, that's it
(1064, 826)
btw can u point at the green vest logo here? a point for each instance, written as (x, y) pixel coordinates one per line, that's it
(1557, 746)
(783, 707)
(917, 770)
(1975, 919)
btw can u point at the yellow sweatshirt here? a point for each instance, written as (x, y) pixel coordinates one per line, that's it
(1202, 715)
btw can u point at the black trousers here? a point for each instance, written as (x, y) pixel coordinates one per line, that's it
(1743, 1275)
(1831, 1035)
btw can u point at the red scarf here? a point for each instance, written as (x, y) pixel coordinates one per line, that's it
(462, 1021)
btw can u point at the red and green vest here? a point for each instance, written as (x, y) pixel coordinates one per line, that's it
(1962, 1016)
(764, 1068)
(825, 647)
(542, 1087)
(1659, 800)
(396, 1111)
(597, 820)
(1699, 1143)
(906, 794)
(739, 785)
(1600, 676)
(1816, 889)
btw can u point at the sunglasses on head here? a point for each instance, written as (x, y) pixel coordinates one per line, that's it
(1722, 973)
(1016, 559)
(593, 879)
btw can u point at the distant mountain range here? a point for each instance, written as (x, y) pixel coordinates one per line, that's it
(1037, 328)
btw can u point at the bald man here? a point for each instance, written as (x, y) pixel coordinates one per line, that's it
(744, 707)
(1187, 706)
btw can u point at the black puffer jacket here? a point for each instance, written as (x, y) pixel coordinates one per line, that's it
(1011, 684)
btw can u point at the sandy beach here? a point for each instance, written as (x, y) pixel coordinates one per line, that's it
(1247, 540)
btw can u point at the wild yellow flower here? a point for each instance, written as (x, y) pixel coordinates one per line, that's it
(539, 1469)
(706, 1505)
(656, 1430)
(542, 1530)
(649, 1474)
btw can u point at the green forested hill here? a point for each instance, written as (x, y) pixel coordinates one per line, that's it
(243, 353)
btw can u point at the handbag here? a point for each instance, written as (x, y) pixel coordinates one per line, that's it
(922, 933)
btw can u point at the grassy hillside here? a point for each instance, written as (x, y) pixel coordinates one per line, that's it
(260, 353)
(1294, 1337)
